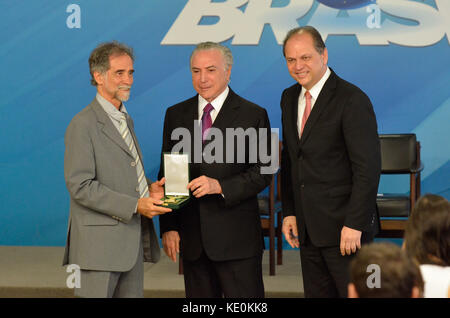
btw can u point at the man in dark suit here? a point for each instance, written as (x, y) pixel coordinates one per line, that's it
(330, 166)
(219, 231)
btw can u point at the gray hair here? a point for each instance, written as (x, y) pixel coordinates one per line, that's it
(317, 38)
(99, 59)
(226, 52)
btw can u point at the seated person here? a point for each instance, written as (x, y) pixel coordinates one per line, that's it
(427, 242)
(383, 270)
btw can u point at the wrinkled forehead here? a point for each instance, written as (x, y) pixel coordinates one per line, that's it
(120, 61)
(303, 39)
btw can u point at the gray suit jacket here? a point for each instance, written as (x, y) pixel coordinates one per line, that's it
(104, 233)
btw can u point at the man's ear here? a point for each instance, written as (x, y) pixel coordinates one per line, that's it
(98, 78)
(352, 293)
(228, 72)
(325, 56)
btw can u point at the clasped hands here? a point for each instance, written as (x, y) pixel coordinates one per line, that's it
(199, 187)
(350, 238)
(151, 206)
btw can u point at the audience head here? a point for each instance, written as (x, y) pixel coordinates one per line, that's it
(427, 233)
(383, 270)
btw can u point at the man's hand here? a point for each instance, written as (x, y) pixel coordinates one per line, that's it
(290, 231)
(156, 189)
(171, 244)
(350, 241)
(204, 185)
(149, 207)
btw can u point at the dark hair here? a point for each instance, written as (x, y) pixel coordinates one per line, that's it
(398, 273)
(99, 59)
(427, 233)
(317, 38)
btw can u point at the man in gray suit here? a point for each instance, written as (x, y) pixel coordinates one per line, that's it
(110, 232)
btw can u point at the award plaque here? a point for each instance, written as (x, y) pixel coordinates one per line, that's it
(176, 172)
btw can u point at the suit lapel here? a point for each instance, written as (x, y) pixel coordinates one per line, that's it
(225, 117)
(227, 113)
(290, 105)
(108, 127)
(130, 125)
(191, 115)
(321, 103)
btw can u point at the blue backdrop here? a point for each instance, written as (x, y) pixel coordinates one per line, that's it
(396, 51)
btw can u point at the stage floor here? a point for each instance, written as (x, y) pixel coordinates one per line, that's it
(36, 271)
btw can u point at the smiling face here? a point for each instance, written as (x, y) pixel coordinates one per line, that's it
(115, 84)
(305, 64)
(210, 75)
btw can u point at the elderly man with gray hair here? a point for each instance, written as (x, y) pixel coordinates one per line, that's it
(110, 231)
(219, 232)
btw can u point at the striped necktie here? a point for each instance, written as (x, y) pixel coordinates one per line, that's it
(126, 135)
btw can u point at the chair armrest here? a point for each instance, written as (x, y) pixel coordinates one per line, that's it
(418, 169)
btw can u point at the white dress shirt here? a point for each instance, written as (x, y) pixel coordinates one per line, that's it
(216, 103)
(314, 91)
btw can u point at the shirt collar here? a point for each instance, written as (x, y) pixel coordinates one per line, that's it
(317, 88)
(217, 103)
(110, 109)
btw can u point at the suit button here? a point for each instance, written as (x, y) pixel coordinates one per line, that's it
(302, 185)
(133, 164)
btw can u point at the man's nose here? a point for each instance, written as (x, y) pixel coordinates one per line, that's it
(203, 77)
(128, 79)
(299, 64)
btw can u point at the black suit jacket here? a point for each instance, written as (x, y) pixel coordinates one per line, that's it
(226, 227)
(330, 176)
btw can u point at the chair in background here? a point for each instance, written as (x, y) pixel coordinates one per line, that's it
(400, 154)
(271, 218)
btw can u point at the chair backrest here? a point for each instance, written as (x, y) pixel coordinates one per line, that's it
(398, 153)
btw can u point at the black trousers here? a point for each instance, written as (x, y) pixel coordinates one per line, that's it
(242, 278)
(326, 273)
